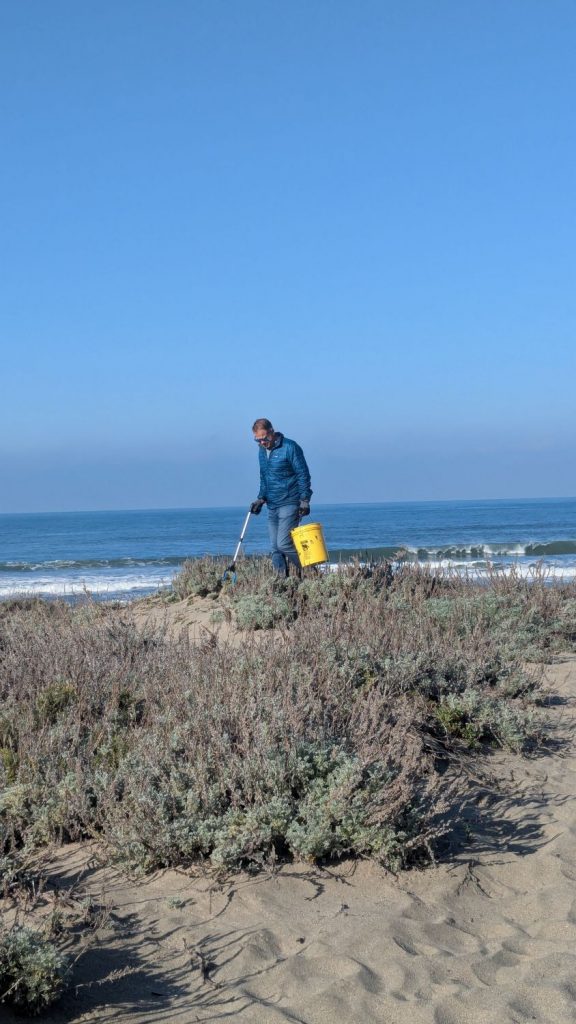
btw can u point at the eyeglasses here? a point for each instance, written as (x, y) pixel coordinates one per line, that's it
(261, 440)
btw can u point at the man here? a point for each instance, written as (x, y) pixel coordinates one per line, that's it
(284, 488)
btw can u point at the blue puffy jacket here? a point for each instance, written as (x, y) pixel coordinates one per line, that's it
(284, 475)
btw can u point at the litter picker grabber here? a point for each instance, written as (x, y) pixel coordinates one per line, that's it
(231, 570)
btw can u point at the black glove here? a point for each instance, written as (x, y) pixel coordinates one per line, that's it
(304, 509)
(256, 506)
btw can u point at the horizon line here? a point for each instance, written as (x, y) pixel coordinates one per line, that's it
(322, 504)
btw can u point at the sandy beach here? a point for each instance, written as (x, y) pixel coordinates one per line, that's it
(485, 936)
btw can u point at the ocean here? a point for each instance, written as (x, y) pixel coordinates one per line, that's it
(123, 555)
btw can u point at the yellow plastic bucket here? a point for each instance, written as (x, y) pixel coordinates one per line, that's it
(309, 544)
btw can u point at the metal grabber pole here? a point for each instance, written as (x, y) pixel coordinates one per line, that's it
(232, 567)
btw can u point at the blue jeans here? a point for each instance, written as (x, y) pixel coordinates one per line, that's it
(280, 522)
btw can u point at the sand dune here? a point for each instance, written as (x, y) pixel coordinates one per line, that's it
(486, 937)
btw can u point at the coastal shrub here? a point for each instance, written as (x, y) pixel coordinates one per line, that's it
(313, 802)
(317, 590)
(53, 700)
(400, 647)
(315, 741)
(262, 611)
(39, 929)
(165, 772)
(33, 971)
(198, 577)
(335, 813)
(473, 718)
(205, 576)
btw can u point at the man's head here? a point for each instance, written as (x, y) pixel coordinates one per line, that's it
(263, 433)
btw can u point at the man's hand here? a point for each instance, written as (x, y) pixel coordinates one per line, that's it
(304, 509)
(257, 506)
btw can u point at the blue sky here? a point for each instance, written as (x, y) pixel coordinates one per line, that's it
(357, 219)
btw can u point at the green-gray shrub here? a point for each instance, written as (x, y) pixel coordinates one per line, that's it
(33, 972)
(198, 577)
(172, 751)
(473, 717)
(262, 611)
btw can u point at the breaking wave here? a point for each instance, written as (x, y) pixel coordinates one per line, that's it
(471, 552)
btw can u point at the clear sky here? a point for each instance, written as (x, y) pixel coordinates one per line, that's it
(354, 218)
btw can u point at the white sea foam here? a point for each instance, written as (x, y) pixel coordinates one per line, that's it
(498, 550)
(65, 586)
(481, 570)
(141, 580)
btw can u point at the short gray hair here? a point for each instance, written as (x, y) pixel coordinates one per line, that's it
(262, 424)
